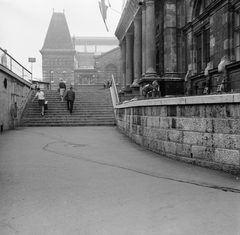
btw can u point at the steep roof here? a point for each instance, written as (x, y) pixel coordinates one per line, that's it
(58, 35)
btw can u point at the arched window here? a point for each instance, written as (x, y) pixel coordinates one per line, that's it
(200, 6)
(202, 36)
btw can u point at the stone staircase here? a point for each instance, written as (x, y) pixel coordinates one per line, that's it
(92, 107)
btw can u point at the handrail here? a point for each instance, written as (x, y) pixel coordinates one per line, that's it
(114, 93)
(13, 65)
(24, 103)
(26, 99)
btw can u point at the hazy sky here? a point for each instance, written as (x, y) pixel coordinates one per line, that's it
(24, 25)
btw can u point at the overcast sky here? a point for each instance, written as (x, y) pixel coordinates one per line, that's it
(24, 25)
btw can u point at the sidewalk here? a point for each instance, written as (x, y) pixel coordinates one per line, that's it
(94, 180)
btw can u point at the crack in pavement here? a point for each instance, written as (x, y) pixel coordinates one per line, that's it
(110, 164)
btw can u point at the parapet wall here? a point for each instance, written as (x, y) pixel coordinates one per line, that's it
(13, 90)
(201, 130)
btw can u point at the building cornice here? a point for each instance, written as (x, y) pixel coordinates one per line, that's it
(130, 11)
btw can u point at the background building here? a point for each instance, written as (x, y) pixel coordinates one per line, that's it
(58, 51)
(108, 64)
(78, 60)
(90, 49)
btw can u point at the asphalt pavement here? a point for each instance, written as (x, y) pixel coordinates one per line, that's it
(95, 181)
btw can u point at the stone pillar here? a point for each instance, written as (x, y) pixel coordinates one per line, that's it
(129, 58)
(150, 39)
(123, 63)
(143, 39)
(137, 48)
(170, 38)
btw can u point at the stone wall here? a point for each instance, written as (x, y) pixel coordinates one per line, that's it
(13, 89)
(202, 130)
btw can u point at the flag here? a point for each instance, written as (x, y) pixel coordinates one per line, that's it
(103, 9)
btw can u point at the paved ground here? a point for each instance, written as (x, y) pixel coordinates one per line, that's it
(94, 181)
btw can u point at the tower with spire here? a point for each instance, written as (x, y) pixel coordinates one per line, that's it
(58, 51)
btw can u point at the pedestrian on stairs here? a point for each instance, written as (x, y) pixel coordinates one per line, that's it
(62, 88)
(70, 97)
(41, 99)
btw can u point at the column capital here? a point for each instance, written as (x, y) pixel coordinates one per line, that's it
(150, 2)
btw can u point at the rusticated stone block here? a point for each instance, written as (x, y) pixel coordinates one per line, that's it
(139, 130)
(147, 131)
(162, 134)
(161, 146)
(184, 124)
(164, 122)
(226, 126)
(226, 141)
(161, 111)
(156, 122)
(170, 147)
(204, 153)
(153, 144)
(175, 135)
(207, 139)
(192, 138)
(150, 121)
(233, 111)
(227, 156)
(184, 150)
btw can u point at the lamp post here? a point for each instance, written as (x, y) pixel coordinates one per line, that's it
(31, 60)
(51, 79)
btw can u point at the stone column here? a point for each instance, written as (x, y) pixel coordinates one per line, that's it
(143, 39)
(129, 58)
(170, 38)
(137, 48)
(150, 39)
(123, 63)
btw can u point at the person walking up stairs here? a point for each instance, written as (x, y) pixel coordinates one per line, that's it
(70, 97)
(41, 99)
(92, 107)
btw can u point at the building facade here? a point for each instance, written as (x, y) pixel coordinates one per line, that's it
(190, 47)
(88, 50)
(58, 52)
(73, 58)
(108, 65)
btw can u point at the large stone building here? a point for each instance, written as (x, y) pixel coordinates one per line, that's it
(58, 51)
(181, 43)
(73, 59)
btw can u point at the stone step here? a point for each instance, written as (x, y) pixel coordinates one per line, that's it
(92, 106)
(81, 123)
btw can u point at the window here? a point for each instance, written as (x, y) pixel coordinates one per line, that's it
(199, 53)
(237, 35)
(202, 49)
(207, 45)
(200, 6)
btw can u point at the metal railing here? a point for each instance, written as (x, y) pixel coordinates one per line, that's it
(10, 63)
(114, 93)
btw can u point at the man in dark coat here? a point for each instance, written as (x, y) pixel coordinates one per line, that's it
(70, 97)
